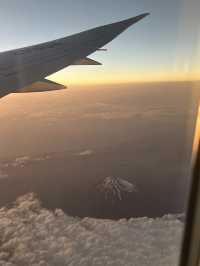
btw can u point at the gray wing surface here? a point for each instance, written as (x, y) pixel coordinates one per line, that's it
(21, 67)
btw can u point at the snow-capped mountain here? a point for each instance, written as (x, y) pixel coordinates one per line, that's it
(114, 187)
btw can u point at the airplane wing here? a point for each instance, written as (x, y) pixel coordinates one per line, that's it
(22, 67)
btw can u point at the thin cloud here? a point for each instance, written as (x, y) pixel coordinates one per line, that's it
(86, 153)
(24, 160)
(21, 161)
(3, 175)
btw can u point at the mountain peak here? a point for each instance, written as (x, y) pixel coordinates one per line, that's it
(113, 187)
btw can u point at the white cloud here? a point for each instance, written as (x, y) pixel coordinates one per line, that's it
(42, 158)
(24, 160)
(86, 153)
(31, 235)
(21, 161)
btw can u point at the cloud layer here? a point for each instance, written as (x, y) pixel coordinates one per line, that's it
(32, 235)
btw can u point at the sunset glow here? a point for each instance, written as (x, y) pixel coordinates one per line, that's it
(95, 75)
(165, 46)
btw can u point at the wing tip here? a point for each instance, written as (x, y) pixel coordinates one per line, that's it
(137, 18)
(124, 24)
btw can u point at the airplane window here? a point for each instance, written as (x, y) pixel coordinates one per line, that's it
(98, 109)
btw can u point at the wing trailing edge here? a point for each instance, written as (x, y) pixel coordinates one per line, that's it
(41, 86)
(86, 62)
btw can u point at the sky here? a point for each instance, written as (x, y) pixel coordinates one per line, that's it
(163, 46)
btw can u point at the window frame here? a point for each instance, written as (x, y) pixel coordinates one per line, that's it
(190, 252)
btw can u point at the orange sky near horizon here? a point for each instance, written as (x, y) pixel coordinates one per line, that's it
(164, 46)
(140, 60)
(92, 75)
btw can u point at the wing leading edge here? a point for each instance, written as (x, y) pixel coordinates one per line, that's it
(22, 67)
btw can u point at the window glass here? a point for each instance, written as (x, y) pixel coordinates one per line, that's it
(98, 173)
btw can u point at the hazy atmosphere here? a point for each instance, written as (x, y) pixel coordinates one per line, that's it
(78, 137)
